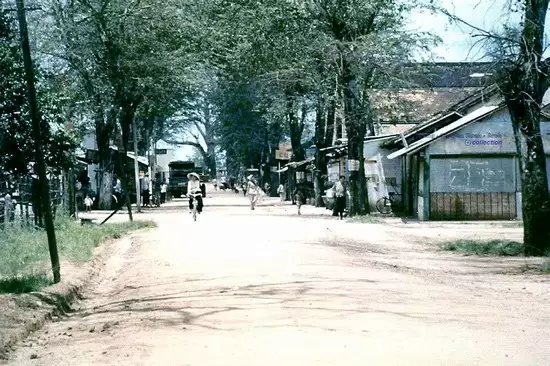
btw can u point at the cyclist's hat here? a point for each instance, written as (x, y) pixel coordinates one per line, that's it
(193, 175)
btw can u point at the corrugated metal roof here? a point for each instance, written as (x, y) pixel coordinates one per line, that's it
(296, 164)
(469, 118)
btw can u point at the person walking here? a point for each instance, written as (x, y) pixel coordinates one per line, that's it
(252, 190)
(157, 187)
(281, 192)
(339, 189)
(146, 183)
(163, 189)
(300, 196)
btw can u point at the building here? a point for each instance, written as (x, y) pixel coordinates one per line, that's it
(463, 165)
(87, 154)
(425, 90)
(383, 176)
(164, 154)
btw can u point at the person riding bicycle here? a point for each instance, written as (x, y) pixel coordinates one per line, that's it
(193, 187)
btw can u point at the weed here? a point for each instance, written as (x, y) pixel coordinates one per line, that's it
(366, 219)
(25, 252)
(485, 247)
(24, 284)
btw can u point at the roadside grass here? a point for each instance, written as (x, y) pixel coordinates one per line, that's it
(510, 224)
(366, 219)
(495, 247)
(25, 254)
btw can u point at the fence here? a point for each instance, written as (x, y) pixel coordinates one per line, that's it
(20, 204)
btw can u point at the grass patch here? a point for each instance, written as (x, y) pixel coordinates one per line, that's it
(508, 224)
(485, 247)
(366, 219)
(25, 252)
(24, 284)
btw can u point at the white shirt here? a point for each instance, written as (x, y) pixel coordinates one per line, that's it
(193, 186)
(339, 189)
(146, 183)
(251, 188)
(163, 188)
(118, 186)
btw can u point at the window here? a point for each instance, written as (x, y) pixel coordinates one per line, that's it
(160, 151)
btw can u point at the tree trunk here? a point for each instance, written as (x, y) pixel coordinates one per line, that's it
(356, 129)
(103, 130)
(524, 87)
(127, 114)
(320, 156)
(295, 129)
(71, 197)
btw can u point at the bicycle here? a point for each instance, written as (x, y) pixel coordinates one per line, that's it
(195, 203)
(387, 204)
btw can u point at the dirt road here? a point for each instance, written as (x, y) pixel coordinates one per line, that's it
(267, 287)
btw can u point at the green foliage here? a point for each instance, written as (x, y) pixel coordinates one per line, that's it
(25, 252)
(24, 284)
(480, 247)
(16, 140)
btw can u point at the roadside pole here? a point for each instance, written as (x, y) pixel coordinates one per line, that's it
(40, 163)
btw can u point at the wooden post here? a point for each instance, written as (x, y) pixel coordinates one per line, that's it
(37, 134)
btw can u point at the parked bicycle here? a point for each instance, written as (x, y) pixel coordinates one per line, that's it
(389, 203)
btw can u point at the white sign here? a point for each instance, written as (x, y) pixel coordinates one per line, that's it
(353, 165)
(283, 155)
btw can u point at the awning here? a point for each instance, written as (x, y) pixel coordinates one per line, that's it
(282, 170)
(344, 144)
(140, 159)
(462, 122)
(296, 164)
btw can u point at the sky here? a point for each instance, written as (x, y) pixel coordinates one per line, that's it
(457, 41)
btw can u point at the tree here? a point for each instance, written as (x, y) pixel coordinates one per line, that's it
(525, 81)
(363, 39)
(16, 153)
(123, 54)
(197, 117)
(517, 51)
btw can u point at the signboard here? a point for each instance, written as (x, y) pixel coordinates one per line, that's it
(283, 155)
(93, 156)
(353, 165)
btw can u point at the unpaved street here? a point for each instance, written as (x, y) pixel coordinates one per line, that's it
(267, 287)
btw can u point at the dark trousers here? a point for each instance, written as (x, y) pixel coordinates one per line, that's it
(339, 206)
(199, 203)
(163, 197)
(146, 200)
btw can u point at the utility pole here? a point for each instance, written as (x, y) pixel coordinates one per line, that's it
(41, 165)
(136, 166)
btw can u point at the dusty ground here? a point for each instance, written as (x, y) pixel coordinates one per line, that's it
(267, 287)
